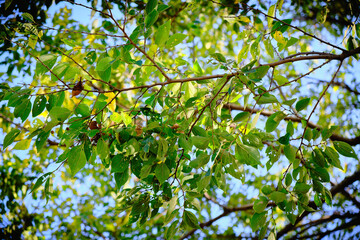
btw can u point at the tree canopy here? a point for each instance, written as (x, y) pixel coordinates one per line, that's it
(180, 120)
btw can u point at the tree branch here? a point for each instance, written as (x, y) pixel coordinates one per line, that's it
(354, 222)
(226, 212)
(334, 190)
(321, 220)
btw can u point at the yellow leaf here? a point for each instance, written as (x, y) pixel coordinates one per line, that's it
(256, 118)
(77, 48)
(91, 38)
(244, 19)
(23, 144)
(110, 97)
(279, 37)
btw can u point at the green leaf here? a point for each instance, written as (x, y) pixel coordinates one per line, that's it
(218, 57)
(322, 173)
(333, 157)
(290, 152)
(151, 18)
(126, 118)
(102, 149)
(27, 16)
(288, 179)
(162, 7)
(32, 40)
(199, 131)
(269, 48)
(162, 149)
(257, 220)
(241, 116)
(266, 190)
(41, 140)
(118, 164)
(345, 149)
(308, 134)
(59, 71)
(290, 128)
(274, 120)
(203, 183)
(247, 154)
(260, 204)
(266, 99)
(103, 68)
(326, 133)
(200, 161)
(290, 102)
(23, 110)
(145, 171)
(248, 66)
(271, 13)
(115, 117)
(259, 73)
(197, 68)
(40, 181)
(121, 178)
(301, 188)
(39, 105)
(17, 96)
(162, 172)
(319, 157)
(281, 80)
(59, 113)
(200, 142)
(190, 220)
(151, 5)
(183, 143)
(76, 159)
(8, 3)
(302, 104)
(23, 144)
(254, 49)
(170, 232)
(45, 63)
(277, 197)
(171, 206)
(243, 52)
(83, 110)
(285, 140)
(162, 34)
(10, 137)
(175, 39)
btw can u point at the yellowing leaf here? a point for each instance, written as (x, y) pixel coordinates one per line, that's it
(110, 97)
(271, 14)
(77, 48)
(23, 144)
(279, 38)
(126, 118)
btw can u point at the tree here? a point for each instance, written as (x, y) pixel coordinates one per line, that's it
(159, 120)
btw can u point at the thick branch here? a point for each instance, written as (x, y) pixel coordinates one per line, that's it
(354, 222)
(334, 190)
(322, 220)
(333, 137)
(226, 212)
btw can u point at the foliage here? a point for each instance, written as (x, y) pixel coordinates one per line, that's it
(159, 119)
